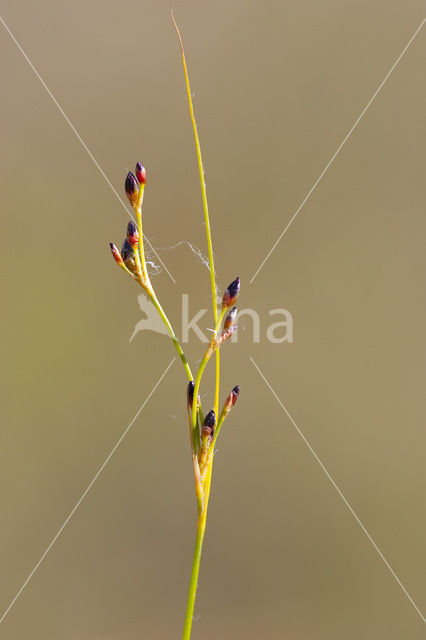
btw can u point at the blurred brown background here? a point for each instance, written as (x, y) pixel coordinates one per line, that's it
(277, 86)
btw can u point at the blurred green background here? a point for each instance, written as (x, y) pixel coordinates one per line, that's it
(276, 87)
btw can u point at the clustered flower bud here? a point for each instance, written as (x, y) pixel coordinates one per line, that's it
(132, 189)
(140, 172)
(231, 293)
(132, 234)
(128, 259)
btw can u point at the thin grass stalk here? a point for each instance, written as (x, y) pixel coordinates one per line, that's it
(205, 207)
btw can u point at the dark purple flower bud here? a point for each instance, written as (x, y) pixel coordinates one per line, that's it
(209, 424)
(132, 234)
(190, 393)
(141, 172)
(231, 293)
(210, 419)
(230, 318)
(128, 256)
(132, 188)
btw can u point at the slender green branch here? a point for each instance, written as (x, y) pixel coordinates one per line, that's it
(138, 211)
(172, 334)
(201, 172)
(210, 349)
(141, 273)
(205, 208)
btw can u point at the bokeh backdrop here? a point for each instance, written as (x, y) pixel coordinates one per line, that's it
(277, 86)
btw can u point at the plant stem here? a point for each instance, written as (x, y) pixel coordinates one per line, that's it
(212, 346)
(169, 327)
(141, 242)
(205, 207)
(203, 503)
(201, 528)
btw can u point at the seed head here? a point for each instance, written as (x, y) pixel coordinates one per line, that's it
(140, 172)
(230, 318)
(132, 234)
(115, 253)
(132, 188)
(231, 293)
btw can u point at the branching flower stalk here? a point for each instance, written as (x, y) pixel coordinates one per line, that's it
(203, 431)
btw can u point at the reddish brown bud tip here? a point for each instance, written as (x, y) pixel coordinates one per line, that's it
(190, 393)
(231, 399)
(132, 234)
(230, 318)
(234, 395)
(132, 188)
(231, 293)
(115, 253)
(140, 172)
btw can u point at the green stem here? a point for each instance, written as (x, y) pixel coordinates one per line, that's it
(217, 385)
(138, 211)
(201, 528)
(202, 510)
(205, 207)
(169, 327)
(212, 346)
(147, 286)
